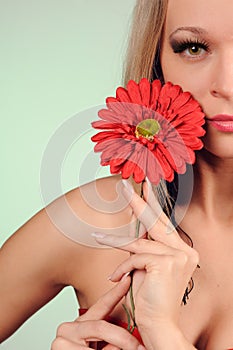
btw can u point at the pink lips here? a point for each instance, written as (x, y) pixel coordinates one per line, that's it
(222, 122)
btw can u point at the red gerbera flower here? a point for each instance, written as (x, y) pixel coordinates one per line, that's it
(150, 130)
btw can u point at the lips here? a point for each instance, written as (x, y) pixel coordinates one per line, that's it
(222, 122)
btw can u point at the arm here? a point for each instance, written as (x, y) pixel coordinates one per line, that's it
(30, 272)
(38, 261)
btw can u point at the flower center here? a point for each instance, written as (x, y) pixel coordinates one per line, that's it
(147, 128)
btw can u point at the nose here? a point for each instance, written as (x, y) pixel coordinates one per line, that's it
(222, 78)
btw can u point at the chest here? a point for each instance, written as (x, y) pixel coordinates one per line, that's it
(207, 319)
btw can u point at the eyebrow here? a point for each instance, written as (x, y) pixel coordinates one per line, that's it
(194, 30)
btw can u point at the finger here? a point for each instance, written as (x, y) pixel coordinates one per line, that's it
(137, 245)
(156, 222)
(151, 198)
(147, 262)
(102, 331)
(70, 331)
(157, 263)
(107, 302)
(61, 343)
(137, 229)
(143, 245)
(111, 347)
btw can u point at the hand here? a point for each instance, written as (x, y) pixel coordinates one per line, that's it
(167, 263)
(91, 327)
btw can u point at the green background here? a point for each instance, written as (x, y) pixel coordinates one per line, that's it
(57, 58)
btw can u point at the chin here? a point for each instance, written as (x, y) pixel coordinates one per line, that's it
(218, 144)
(217, 153)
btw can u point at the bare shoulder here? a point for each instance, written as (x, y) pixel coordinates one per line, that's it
(97, 200)
(62, 230)
(55, 245)
(95, 207)
(98, 207)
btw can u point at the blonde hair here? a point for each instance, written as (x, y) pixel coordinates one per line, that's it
(143, 48)
(142, 61)
(146, 31)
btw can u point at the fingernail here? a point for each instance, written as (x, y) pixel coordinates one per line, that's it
(148, 182)
(128, 186)
(141, 347)
(98, 235)
(110, 277)
(125, 276)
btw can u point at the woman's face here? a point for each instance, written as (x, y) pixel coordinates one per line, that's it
(197, 54)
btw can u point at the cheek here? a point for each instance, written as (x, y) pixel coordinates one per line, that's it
(188, 76)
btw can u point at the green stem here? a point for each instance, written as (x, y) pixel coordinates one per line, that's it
(131, 315)
(128, 316)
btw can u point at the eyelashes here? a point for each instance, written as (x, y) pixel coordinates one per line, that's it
(190, 47)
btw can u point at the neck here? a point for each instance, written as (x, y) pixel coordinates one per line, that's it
(213, 186)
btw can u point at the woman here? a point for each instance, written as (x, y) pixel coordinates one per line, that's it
(194, 39)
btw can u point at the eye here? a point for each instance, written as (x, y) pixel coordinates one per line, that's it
(194, 50)
(190, 48)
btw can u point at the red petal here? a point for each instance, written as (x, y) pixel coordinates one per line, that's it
(104, 135)
(111, 100)
(122, 95)
(166, 153)
(155, 90)
(144, 87)
(164, 93)
(128, 169)
(119, 108)
(180, 101)
(99, 124)
(174, 91)
(139, 174)
(165, 104)
(189, 107)
(113, 152)
(106, 114)
(116, 166)
(154, 171)
(134, 93)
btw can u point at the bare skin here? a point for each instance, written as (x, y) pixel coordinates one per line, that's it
(47, 261)
(40, 260)
(91, 327)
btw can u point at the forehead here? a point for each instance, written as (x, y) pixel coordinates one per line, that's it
(212, 15)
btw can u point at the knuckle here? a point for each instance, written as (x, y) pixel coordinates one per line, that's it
(140, 243)
(183, 257)
(100, 326)
(194, 257)
(58, 343)
(167, 263)
(130, 341)
(62, 328)
(189, 257)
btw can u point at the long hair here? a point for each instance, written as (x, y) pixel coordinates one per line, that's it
(142, 60)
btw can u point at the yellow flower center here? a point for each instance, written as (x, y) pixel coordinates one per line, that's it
(147, 128)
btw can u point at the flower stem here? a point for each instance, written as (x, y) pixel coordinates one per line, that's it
(128, 316)
(131, 314)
